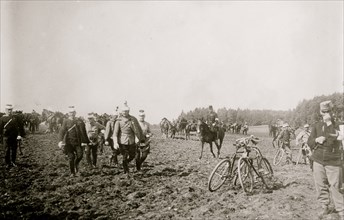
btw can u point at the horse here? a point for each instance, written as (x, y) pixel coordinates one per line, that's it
(52, 119)
(190, 126)
(166, 127)
(206, 135)
(181, 126)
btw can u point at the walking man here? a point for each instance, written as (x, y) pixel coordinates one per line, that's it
(327, 165)
(126, 128)
(11, 131)
(284, 139)
(143, 149)
(73, 138)
(108, 136)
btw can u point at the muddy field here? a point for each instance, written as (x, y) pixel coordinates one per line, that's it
(172, 185)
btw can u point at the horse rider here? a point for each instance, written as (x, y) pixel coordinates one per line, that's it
(301, 141)
(143, 149)
(11, 131)
(108, 136)
(212, 119)
(284, 138)
(73, 138)
(126, 128)
(93, 129)
(325, 141)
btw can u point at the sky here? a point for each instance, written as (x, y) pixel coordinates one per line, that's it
(166, 57)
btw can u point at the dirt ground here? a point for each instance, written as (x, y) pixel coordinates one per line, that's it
(172, 185)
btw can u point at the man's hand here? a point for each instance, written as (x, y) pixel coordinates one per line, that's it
(60, 144)
(19, 137)
(83, 144)
(116, 146)
(106, 143)
(320, 139)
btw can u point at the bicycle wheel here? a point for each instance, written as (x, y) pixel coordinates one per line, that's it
(266, 173)
(278, 156)
(218, 176)
(245, 175)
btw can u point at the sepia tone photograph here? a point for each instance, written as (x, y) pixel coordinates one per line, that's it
(172, 110)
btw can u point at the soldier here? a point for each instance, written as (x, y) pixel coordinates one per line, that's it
(93, 130)
(73, 138)
(284, 139)
(143, 149)
(126, 128)
(301, 141)
(11, 131)
(324, 140)
(108, 136)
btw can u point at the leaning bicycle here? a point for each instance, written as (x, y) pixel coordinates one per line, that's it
(230, 168)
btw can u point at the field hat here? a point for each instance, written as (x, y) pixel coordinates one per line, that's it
(9, 106)
(306, 126)
(71, 109)
(326, 106)
(142, 113)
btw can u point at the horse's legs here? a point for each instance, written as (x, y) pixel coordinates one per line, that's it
(211, 148)
(202, 145)
(218, 146)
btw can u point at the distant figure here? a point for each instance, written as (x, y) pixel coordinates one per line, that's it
(11, 131)
(325, 142)
(284, 139)
(301, 141)
(73, 138)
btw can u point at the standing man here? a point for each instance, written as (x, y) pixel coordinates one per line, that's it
(143, 149)
(126, 128)
(73, 138)
(11, 131)
(327, 165)
(108, 136)
(284, 139)
(93, 129)
(301, 141)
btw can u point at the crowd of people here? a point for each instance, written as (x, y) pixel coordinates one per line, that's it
(130, 137)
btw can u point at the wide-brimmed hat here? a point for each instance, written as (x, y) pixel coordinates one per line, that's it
(9, 106)
(326, 106)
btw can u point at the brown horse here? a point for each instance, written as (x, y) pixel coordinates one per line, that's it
(206, 135)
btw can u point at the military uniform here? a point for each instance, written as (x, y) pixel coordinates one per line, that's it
(10, 128)
(126, 128)
(284, 138)
(108, 136)
(93, 133)
(73, 133)
(327, 165)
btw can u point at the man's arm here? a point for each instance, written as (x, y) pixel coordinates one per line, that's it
(311, 140)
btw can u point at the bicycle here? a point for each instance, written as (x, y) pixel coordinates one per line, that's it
(247, 158)
(279, 155)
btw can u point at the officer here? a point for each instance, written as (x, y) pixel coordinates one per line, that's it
(11, 131)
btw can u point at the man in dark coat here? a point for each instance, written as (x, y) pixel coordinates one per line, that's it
(11, 130)
(327, 155)
(73, 138)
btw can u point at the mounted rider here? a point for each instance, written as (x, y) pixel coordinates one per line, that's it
(212, 120)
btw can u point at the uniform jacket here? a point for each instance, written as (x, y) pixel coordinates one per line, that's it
(302, 137)
(109, 129)
(93, 131)
(76, 135)
(126, 128)
(329, 152)
(284, 136)
(13, 128)
(145, 127)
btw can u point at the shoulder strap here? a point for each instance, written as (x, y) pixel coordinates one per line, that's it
(7, 123)
(71, 128)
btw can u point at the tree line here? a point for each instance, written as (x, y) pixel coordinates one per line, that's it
(307, 111)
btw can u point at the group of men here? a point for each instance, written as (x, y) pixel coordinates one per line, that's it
(123, 133)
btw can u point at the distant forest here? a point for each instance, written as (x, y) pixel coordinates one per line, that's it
(307, 111)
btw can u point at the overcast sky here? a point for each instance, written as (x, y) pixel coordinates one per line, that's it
(165, 57)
